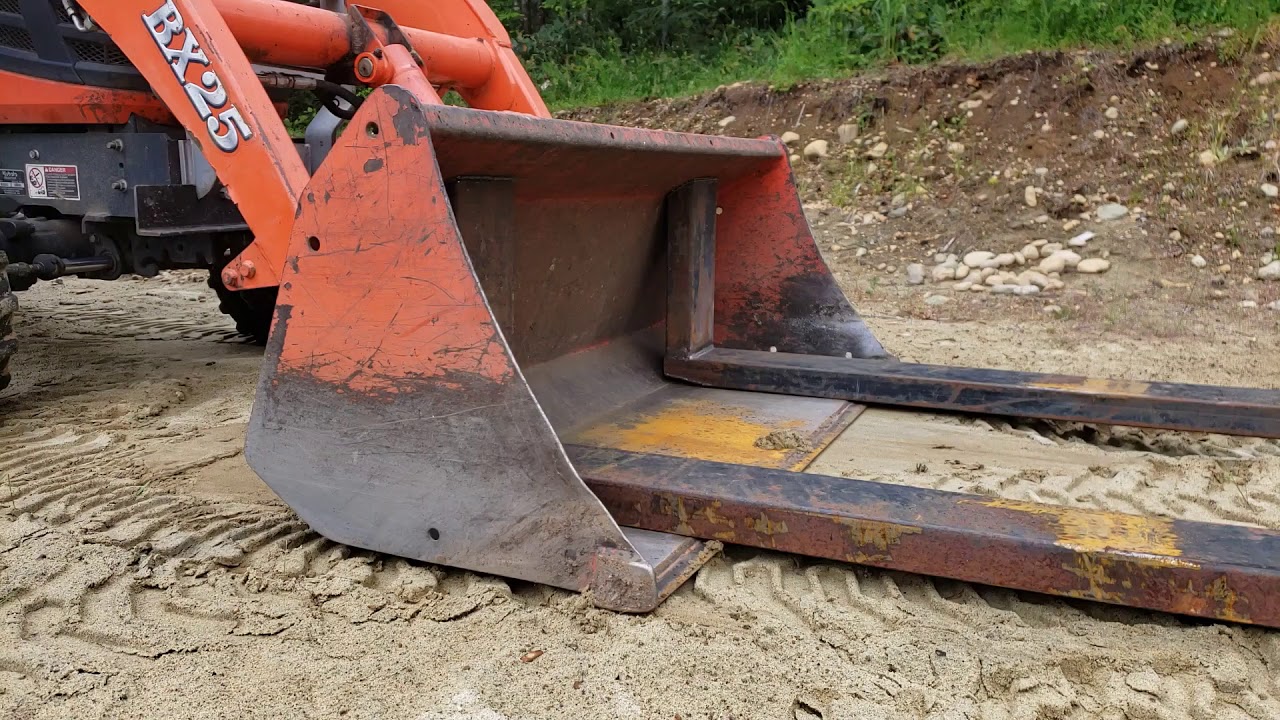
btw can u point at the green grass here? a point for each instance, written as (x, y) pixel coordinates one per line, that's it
(840, 37)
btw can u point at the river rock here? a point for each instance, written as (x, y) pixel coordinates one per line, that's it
(816, 150)
(978, 258)
(1093, 266)
(1111, 211)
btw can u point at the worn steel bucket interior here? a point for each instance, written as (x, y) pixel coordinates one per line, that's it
(567, 230)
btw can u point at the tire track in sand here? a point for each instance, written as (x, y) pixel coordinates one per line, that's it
(953, 650)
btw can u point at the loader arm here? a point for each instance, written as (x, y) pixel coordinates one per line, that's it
(195, 65)
(197, 54)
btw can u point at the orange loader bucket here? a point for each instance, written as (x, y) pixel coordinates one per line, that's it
(430, 358)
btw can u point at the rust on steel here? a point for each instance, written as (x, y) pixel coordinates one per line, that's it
(1253, 412)
(1222, 572)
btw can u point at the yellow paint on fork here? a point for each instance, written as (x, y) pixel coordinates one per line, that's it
(697, 429)
(1093, 531)
(1098, 386)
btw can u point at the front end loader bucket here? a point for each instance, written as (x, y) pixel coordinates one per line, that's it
(500, 337)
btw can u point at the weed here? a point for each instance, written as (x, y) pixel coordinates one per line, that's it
(593, 53)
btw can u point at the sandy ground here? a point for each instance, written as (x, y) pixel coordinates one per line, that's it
(146, 572)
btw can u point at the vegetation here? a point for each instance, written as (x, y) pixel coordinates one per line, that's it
(586, 52)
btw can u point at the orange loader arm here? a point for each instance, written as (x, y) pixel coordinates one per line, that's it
(197, 55)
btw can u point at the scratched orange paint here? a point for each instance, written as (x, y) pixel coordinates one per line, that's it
(384, 295)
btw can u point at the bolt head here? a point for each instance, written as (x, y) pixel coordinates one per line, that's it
(34, 154)
(248, 269)
(364, 67)
(231, 278)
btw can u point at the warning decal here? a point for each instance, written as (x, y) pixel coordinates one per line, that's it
(11, 182)
(61, 182)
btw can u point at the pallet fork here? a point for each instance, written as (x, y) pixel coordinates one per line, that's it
(545, 349)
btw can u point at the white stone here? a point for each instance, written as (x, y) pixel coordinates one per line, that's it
(915, 273)
(847, 133)
(1053, 263)
(1270, 190)
(993, 280)
(1019, 258)
(1208, 158)
(794, 158)
(1263, 79)
(962, 271)
(1029, 195)
(985, 273)
(879, 151)
(1005, 259)
(955, 148)
(1248, 304)
(1099, 134)
(1273, 305)
(1049, 248)
(816, 150)
(1004, 289)
(789, 137)
(971, 104)
(1093, 266)
(1082, 239)
(1112, 113)
(1270, 271)
(935, 300)
(727, 121)
(1031, 252)
(977, 258)
(1180, 127)
(1198, 261)
(943, 273)
(1032, 277)
(1026, 290)
(1111, 211)
(962, 286)
(1073, 258)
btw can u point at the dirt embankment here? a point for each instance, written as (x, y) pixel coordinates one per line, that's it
(146, 572)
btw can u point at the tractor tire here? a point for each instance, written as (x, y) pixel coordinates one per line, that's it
(8, 308)
(251, 309)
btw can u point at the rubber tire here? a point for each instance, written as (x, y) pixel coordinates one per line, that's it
(8, 308)
(251, 309)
